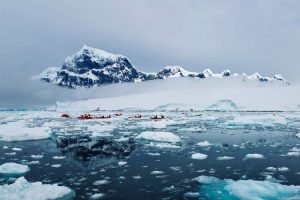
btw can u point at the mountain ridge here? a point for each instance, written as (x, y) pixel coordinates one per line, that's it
(90, 67)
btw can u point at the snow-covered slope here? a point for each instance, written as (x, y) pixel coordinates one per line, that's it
(94, 67)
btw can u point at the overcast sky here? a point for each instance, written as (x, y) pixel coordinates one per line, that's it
(241, 35)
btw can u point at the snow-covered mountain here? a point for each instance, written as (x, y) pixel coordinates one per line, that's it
(94, 67)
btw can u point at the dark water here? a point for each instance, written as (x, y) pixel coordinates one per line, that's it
(88, 159)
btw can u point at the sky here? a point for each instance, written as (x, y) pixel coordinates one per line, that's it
(241, 35)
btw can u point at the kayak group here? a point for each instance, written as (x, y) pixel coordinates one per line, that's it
(89, 116)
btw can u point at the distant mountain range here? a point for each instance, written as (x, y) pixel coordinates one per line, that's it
(91, 67)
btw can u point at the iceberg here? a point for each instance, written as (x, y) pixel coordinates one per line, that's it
(22, 189)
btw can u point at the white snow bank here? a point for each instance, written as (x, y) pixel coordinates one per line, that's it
(21, 189)
(254, 156)
(159, 137)
(17, 131)
(246, 189)
(199, 156)
(13, 169)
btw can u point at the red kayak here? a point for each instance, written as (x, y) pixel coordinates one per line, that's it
(103, 117)
(65, 116)
(158, 117)
(85, 116)
(135, 117)
(118, 114)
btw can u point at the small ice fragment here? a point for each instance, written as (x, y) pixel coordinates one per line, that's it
(121, 163)
(254, 156)
(154, 154)
(37, 156)
(58, 157)
(157, 172)
(16, 149)
(97, 196)
(225, 158)
(203, 144)
(272, 169)
(56, 165)
(101, 182)
(137, 177)
(283, 169)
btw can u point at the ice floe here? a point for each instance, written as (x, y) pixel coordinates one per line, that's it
(159, 136)
(13, 169)
(199, 156)
(263, 120)
(229, 189)
(22, 189)
(18, 131)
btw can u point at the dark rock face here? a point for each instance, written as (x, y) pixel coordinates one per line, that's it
(94, 67)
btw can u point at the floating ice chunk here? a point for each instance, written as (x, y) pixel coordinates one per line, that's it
(159, 136)
(16, 149)
(58, 157)
(154, 154)
(56, 165)
(37, 156)
(21, 189)
(225, 158)
(203, 144)
(13, 169)
(95, 135)
(157, 172)
(17, 131)
(35, 162)
(283, 169)
(294, 152)
(206, 179)
(254, 156)
(192, 194)
(5, 147)
(298, 135)
(97, 196)
(199, 156)
(11, 153)
(228, 189)
(137, 177)
(263, 120)
(121, 163)
(193, 129)
(101, 182)
(272, 169)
